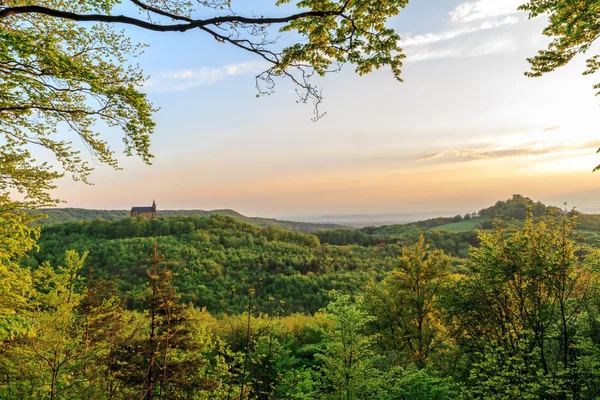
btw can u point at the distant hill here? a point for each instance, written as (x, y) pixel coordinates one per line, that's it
(514, 208)
(517, 207)
(61, 215)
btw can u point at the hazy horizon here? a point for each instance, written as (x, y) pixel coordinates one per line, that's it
(360, 219)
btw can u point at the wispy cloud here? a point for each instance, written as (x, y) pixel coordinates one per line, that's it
(184, 79)
(468, 18)
(497, 151)
(424, 55)
(430, 38)
(477, 10)
(489, 47)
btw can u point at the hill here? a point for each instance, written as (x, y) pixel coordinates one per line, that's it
(217, 259)
(214, 258)
(513, 210)
(517, 208)
(62, 215)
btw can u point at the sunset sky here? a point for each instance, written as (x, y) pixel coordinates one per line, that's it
(466, 128)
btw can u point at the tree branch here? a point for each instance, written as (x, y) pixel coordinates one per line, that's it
(160, 12)
(192, 24)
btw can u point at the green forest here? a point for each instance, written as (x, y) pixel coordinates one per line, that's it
(214, 308)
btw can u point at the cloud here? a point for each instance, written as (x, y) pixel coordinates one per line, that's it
(433, 54)
(497, 151)
(430, 38)
(477, 10)
(468, 18)
(184, 79)
(463, 50)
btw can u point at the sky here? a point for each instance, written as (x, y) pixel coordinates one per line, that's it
(464, 129)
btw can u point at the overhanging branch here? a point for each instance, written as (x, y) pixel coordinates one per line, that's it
(192, 24)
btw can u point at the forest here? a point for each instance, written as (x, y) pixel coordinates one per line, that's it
(215, 308)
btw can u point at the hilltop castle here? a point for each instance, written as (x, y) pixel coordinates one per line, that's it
(146, 212)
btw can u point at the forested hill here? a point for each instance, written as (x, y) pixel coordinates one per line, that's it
(217, 259)
(62, 215)
(514, 210)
